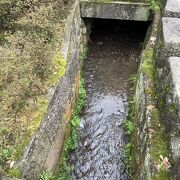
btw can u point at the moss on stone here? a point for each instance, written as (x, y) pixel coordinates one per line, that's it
(162, 175)
(59, 68)
(42, 105)
(148, 64)
(159, 138)
(159, 146)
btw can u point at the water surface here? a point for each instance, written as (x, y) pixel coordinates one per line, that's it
(113, 54)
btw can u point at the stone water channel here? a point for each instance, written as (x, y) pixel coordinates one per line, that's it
(114, 49)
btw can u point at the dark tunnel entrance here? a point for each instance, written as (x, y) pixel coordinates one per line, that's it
(114, 50)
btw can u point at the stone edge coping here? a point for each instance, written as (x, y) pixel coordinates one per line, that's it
(117, 2)
(117, 10)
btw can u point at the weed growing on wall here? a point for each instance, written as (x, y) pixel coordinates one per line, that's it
(129, 124)
(155, 5)
(84, 54)
(46, 175)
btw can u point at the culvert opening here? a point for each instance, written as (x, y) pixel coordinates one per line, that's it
(114, 50)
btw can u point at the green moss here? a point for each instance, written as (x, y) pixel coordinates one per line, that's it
(155, 5)
(46, 175)
(159, 139)
(14, 172)
(42, 105)
(58, 67)
(148, 64)
(173, 108)
(162, 175)
(159, 145)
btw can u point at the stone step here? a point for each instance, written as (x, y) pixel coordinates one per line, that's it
(115, 10)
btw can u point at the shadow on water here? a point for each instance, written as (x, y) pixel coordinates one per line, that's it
(113, 55)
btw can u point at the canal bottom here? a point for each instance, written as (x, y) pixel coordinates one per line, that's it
(114, 50)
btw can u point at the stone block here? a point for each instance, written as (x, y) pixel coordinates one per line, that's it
(171, 37)
(34, 158)
(115, 10)
(172, 8)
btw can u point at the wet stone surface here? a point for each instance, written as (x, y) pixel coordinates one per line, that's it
(113, 53)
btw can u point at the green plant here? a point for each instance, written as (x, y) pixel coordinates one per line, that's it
(129, 126)
(84, 54)
(46, 175)
(128, 157)
(4, 155)
(14, 172)
(155, 5)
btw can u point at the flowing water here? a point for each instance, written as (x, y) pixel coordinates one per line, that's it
(113, 54)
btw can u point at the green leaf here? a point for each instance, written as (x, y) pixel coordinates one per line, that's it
(75, 121)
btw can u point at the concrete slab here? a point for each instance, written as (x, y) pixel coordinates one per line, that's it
(171, 36)
(172, 8)
(115, 10)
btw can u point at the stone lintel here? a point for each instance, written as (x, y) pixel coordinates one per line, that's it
(115, 10)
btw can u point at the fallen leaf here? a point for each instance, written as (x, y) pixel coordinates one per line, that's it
(166, 163)
(12, 164)
(150, 107)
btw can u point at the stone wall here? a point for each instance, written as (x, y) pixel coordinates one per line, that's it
(45, 146)
(168, 64)
(156, 147)
(148, 133)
